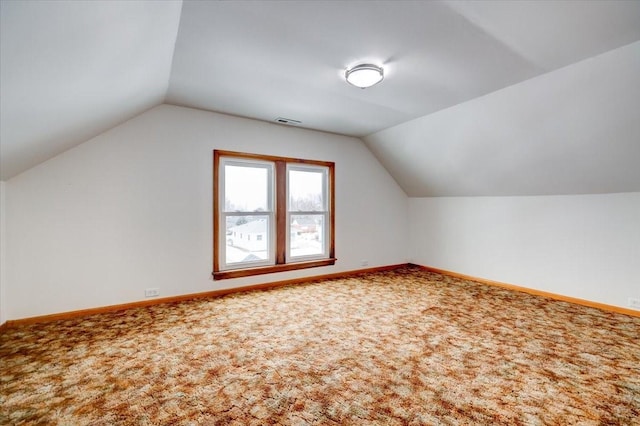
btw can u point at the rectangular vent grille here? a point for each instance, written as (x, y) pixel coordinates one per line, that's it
(283, 120)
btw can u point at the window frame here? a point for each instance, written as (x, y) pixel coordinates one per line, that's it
(280, 213)
(268, 213)
(325, 212)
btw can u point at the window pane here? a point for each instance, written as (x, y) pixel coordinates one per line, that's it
(306, 237)
(306, 190)
(246, 188)
(246, 239)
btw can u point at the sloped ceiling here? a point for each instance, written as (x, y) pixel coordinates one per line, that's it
(572, 131)
(70, 70)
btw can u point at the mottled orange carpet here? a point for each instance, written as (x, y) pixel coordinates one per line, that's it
(405, 347)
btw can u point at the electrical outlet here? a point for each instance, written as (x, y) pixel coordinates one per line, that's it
(151, 292)
(634, 303)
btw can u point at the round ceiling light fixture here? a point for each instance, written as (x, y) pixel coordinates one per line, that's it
(364, 75)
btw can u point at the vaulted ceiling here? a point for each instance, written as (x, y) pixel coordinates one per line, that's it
(479, 97)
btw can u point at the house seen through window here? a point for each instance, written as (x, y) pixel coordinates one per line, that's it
(271, 214)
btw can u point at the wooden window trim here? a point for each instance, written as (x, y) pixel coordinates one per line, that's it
(280, 216)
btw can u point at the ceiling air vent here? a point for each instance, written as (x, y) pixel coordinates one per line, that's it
(283, 120)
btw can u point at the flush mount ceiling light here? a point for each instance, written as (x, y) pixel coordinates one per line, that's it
(364, 75)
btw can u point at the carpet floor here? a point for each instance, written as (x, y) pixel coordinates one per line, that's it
(402, 347)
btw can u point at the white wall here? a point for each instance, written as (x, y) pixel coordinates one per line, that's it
(3, 232)
(131, 209)
(584, 246)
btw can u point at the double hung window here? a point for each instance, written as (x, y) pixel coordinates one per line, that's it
(271, 214)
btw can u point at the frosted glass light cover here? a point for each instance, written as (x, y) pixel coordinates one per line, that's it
(365, 75)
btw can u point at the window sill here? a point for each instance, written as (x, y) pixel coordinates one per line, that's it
(237, 273)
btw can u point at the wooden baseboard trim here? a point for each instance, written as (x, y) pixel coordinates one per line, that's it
(574, 300)
(275, 284)
(191, 296)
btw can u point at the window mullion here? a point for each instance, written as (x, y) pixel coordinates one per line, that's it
(281, 212)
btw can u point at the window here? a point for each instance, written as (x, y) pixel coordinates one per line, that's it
(271, 214)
